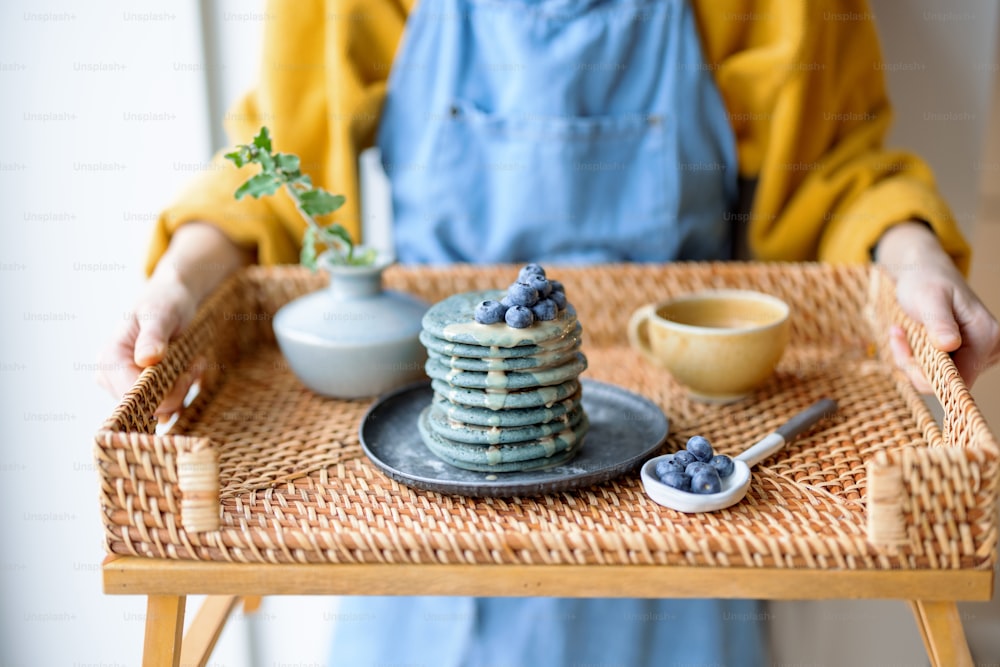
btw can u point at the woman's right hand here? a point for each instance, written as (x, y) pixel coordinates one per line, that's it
(198, 259)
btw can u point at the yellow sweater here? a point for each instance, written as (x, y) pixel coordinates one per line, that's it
(801, 80)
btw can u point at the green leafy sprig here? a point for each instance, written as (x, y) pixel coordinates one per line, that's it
(284, 169)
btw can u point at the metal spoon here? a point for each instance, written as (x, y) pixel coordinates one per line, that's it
(735, 486)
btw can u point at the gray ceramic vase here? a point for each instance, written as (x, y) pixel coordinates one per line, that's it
(353, 339)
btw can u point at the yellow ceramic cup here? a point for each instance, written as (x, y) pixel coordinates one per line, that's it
(720, 344)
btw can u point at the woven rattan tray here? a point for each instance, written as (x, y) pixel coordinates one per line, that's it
(258, 469)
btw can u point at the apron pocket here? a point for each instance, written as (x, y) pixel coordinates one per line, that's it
(546, 187)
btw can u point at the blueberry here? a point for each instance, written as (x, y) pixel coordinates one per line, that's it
(505, 301)
(539, 283)
(706, 481)
(700, 447)
(519, 317)
(520, 294)
(559, 298)
(695, 467)
(545, 310)
(684, 457)
(557, 286)
(667, 465)
(678, 480)
(490, 312)
(723, 465)
(530, 270)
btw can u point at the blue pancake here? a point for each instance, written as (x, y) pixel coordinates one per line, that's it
(466, 350)
(455, 431)
(535, 464)
(453, 320)
(533, 455)
(556, 357)
(514, 380)
(506, 400)
(505, 418)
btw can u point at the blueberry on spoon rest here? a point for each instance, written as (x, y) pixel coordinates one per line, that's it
(684, 457)
(668, 465)
(723, 465)
(706, 481)
(695, 467)
(678, 480)
(700, 447)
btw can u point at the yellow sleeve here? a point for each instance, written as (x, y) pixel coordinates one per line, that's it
(803, 83)
(322, 82)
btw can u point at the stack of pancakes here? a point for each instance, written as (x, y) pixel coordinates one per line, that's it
(505, 399)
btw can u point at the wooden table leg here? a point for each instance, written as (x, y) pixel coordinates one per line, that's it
(164, 628)
(251, 603)
(941, 628)
(205, 629)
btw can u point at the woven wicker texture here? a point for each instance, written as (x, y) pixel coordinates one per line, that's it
(293, 484)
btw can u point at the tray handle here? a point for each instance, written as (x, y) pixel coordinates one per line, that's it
(923, 495)
(147, 479)
(198, 483)
(963, 424)
(886, 501)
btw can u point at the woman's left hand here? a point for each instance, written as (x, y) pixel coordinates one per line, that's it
(933, 292)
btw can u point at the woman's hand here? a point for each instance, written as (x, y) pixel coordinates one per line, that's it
(199, 258)
(933, 292)
(163, 310)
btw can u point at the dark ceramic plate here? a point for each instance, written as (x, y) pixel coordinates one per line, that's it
(625, 429)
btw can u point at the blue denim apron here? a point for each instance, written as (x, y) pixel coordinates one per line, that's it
(559, 131)
(556, 130)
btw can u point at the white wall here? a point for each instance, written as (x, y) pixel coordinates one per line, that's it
(103, 119)
(106, 114)
(942, 63)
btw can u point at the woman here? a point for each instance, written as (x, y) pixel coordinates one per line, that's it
(576, 131)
